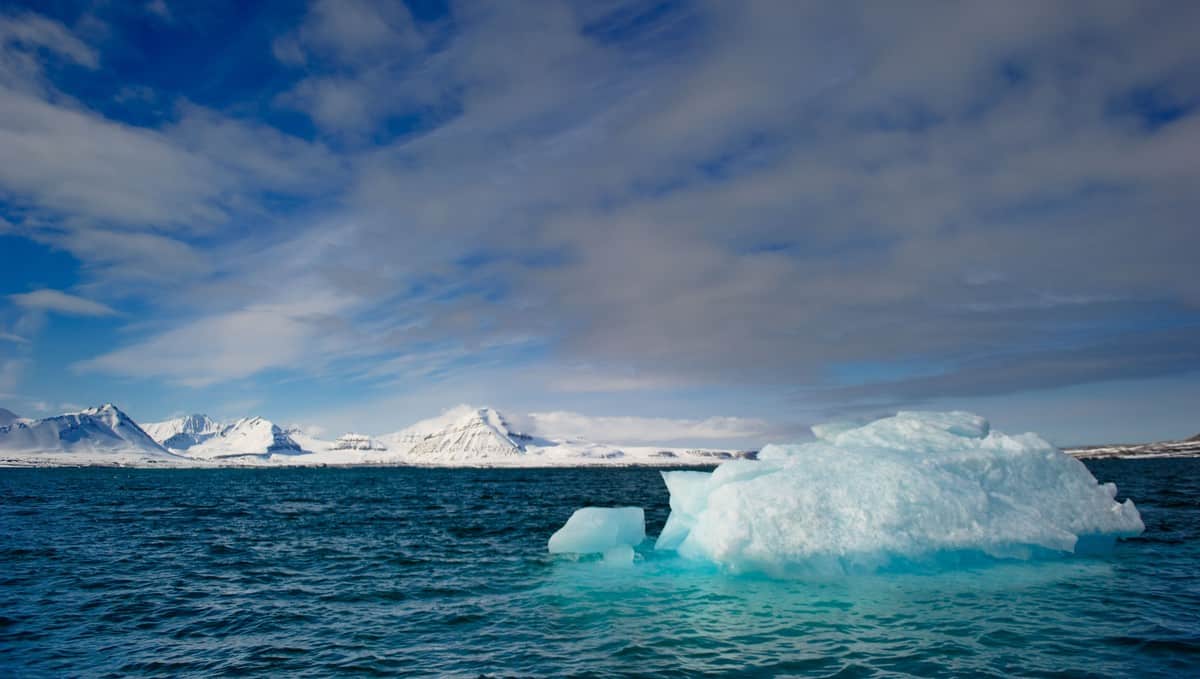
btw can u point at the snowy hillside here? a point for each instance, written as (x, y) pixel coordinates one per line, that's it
(353, 441)
(96, 436)
(249, 436)
(460, 435)
(482, 437)
(1186, 448)
(184, 432)
(7, 417)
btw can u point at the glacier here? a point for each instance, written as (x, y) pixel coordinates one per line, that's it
(915, 489)
(611, 531)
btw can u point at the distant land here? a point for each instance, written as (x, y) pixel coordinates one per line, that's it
(460, 437)
(1189, 447)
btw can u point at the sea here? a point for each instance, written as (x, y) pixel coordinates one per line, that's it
(444, 572)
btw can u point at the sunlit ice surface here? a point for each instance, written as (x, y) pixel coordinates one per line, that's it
(911, 492)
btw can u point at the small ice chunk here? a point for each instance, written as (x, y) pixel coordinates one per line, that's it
(688, 491)
(621, 555)
(593, 530)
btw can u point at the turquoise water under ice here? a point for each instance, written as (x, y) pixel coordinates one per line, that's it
(377, 572)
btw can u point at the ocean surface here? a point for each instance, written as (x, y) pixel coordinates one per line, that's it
(380, 572)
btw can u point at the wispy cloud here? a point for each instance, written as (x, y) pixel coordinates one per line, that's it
(224, 346)
(60, 302)
(22, 34)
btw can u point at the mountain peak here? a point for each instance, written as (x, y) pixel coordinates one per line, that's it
(103, 434)
(107, 412)
(181, 433)
(464, 433)
(247, 436)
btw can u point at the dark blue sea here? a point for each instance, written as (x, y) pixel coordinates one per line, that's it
(382, 572)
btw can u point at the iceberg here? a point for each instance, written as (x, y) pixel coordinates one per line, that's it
(916, 488)
(612, 531)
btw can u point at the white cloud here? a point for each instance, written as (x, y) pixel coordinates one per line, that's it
(123, 198)
(129, 256)
(210, 350)
(62, 303)
(225, 346)
(739, 193)
(23, 33)
(632, 429)
(352, 31)
(9, 337)
(78, 163)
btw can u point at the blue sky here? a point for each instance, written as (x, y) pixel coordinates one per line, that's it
(703, 222)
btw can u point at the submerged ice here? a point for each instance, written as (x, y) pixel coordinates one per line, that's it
(916, 487)
(612, 531)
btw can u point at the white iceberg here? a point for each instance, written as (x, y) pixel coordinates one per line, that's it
(612, 531)
(913, 488)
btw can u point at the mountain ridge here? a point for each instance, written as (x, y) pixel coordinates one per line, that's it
(461, 436)
(1189, 447)
(100, 435)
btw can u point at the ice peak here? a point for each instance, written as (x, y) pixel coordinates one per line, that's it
(107, 412)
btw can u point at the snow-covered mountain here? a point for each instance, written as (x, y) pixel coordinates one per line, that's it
(184, 432)
(463, 436)
(482, 437)
(249, 436)
(95, 436)
(1185, 448)
(203, 438)
(460, 435)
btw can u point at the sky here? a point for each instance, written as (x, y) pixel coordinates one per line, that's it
(704, 222)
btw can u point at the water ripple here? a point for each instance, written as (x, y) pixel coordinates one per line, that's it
(391, 572)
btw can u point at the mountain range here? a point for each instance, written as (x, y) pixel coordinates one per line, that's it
(462, 436)
(1189, 447)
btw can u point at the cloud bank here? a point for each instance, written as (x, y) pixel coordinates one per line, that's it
(851, 207)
